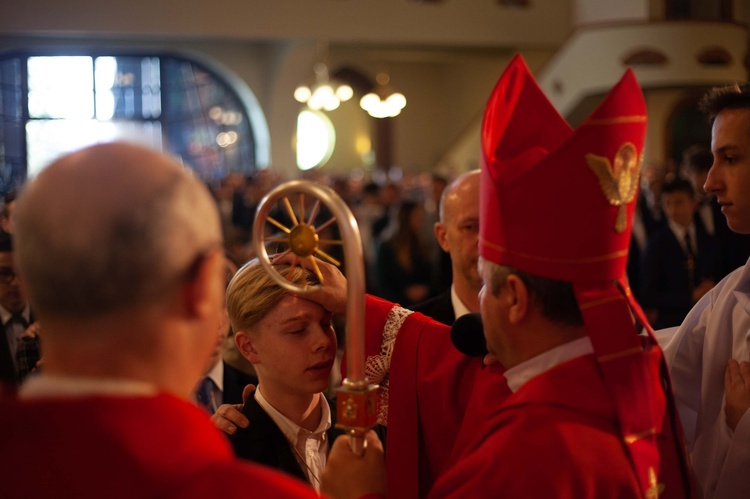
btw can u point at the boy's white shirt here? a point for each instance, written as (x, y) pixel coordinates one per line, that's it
(311, 445)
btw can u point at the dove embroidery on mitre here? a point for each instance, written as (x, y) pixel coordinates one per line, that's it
(619, 182)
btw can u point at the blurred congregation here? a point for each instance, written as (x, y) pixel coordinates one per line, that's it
(405, 264)
(395, 218)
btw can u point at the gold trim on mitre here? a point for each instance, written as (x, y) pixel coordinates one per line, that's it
(591, 259)
(619, 120)
(618, 179)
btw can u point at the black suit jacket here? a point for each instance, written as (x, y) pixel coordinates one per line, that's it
(9, 375)
(665, 282)
(439, 308)
(7, 368)
(263, 442)
(234, 382)
(734, 248)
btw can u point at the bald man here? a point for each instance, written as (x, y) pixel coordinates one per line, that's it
(457, 232)
(130, 294)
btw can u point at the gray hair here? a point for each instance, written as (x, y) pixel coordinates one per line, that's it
(96, 257)
(556, 298)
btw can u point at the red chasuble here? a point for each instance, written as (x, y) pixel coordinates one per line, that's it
(455, 429)
(124, 447)
(435, 397)
(448, 417)
(558, 437)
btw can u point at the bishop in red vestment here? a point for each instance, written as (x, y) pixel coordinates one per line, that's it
(584, 408)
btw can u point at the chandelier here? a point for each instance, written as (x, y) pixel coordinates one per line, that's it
(324, 92)
(383, 101)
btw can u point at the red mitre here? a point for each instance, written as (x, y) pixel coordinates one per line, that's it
(571, 193)
(558, 203)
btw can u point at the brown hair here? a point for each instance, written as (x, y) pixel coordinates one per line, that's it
(728, 97)
(252, 293)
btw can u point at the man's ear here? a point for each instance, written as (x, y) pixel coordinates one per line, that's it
(517, 297)
(244, 342)
(204, 287)
(440, 235)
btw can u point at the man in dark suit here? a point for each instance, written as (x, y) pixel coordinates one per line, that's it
(457, 232)
(19, 350)
(6, 214)
(223, 383)
(682, 261)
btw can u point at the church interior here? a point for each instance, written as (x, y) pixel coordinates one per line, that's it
(443, 56)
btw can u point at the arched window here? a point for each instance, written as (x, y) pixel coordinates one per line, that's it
(51, 105)
(316, 139)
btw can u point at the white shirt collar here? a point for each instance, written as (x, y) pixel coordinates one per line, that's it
(310, 448)
(459, 308)
(291, 429)
(679, 232)
(5, 315)
(217, 375)
(48, 386)
(518, 375)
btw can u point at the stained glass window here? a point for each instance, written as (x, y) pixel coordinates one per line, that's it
(51, 105)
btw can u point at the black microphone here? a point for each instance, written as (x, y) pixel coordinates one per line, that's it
(467, 335)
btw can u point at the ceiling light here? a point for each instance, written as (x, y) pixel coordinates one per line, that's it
(383, 101)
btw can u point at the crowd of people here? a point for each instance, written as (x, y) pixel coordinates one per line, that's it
(395, 216)
(120, 270)
(405, 263)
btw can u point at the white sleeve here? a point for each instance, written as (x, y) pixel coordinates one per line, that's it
(734, 482)
(684, 356)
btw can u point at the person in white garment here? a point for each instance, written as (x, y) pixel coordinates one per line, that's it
(708, 355)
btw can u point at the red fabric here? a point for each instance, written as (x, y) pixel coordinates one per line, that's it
(403, 463)
(552, 439)
(435, 397)
(444, 405)
(124, 447)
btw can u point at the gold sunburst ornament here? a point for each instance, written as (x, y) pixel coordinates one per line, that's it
(357, 398)
(618, 180)
(302, 237)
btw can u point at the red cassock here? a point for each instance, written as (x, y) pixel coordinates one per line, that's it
(455, 429)
(124, 447)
